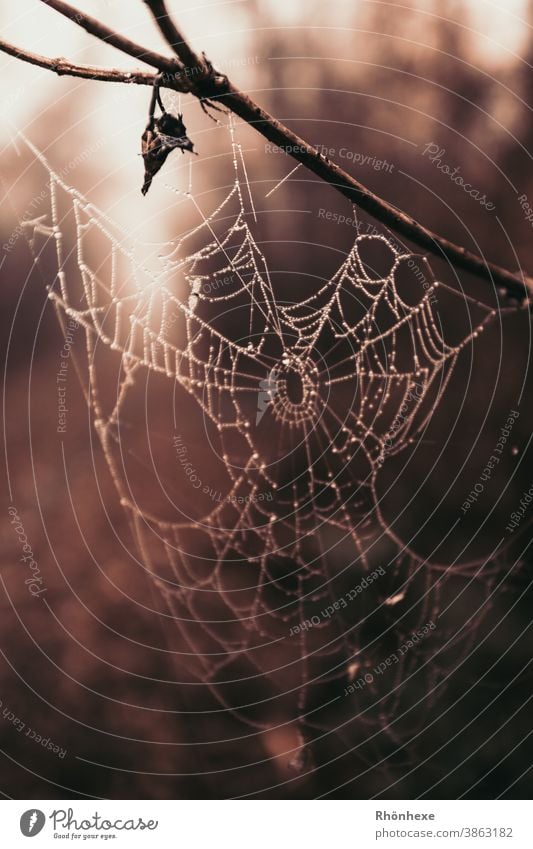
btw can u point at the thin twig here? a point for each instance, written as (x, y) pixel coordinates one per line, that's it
(188, 72)
(62, 66)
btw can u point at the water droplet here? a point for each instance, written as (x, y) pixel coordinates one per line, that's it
(352, 670)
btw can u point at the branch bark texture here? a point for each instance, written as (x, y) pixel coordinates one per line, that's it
(188, 72)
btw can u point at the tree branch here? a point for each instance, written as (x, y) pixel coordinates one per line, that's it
(62, 67)
(218, 87)
(104, 33)
(175, 39)
(188, 72)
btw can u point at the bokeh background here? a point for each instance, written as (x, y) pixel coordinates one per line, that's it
(94, 672)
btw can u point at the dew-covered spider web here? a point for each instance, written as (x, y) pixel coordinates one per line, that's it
(246, 430)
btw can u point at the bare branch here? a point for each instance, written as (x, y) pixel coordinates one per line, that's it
(188, 72)
(62, 67)
(175, 39)
(217, 87)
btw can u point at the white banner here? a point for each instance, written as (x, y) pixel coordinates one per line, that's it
(271, 824)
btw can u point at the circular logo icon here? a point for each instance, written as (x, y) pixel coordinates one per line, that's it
(32, 822)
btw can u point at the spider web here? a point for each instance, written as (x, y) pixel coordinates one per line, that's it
(289, 589)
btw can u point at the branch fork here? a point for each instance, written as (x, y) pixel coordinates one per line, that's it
(189, 73)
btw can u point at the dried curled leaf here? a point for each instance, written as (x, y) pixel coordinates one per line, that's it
(162, 135)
